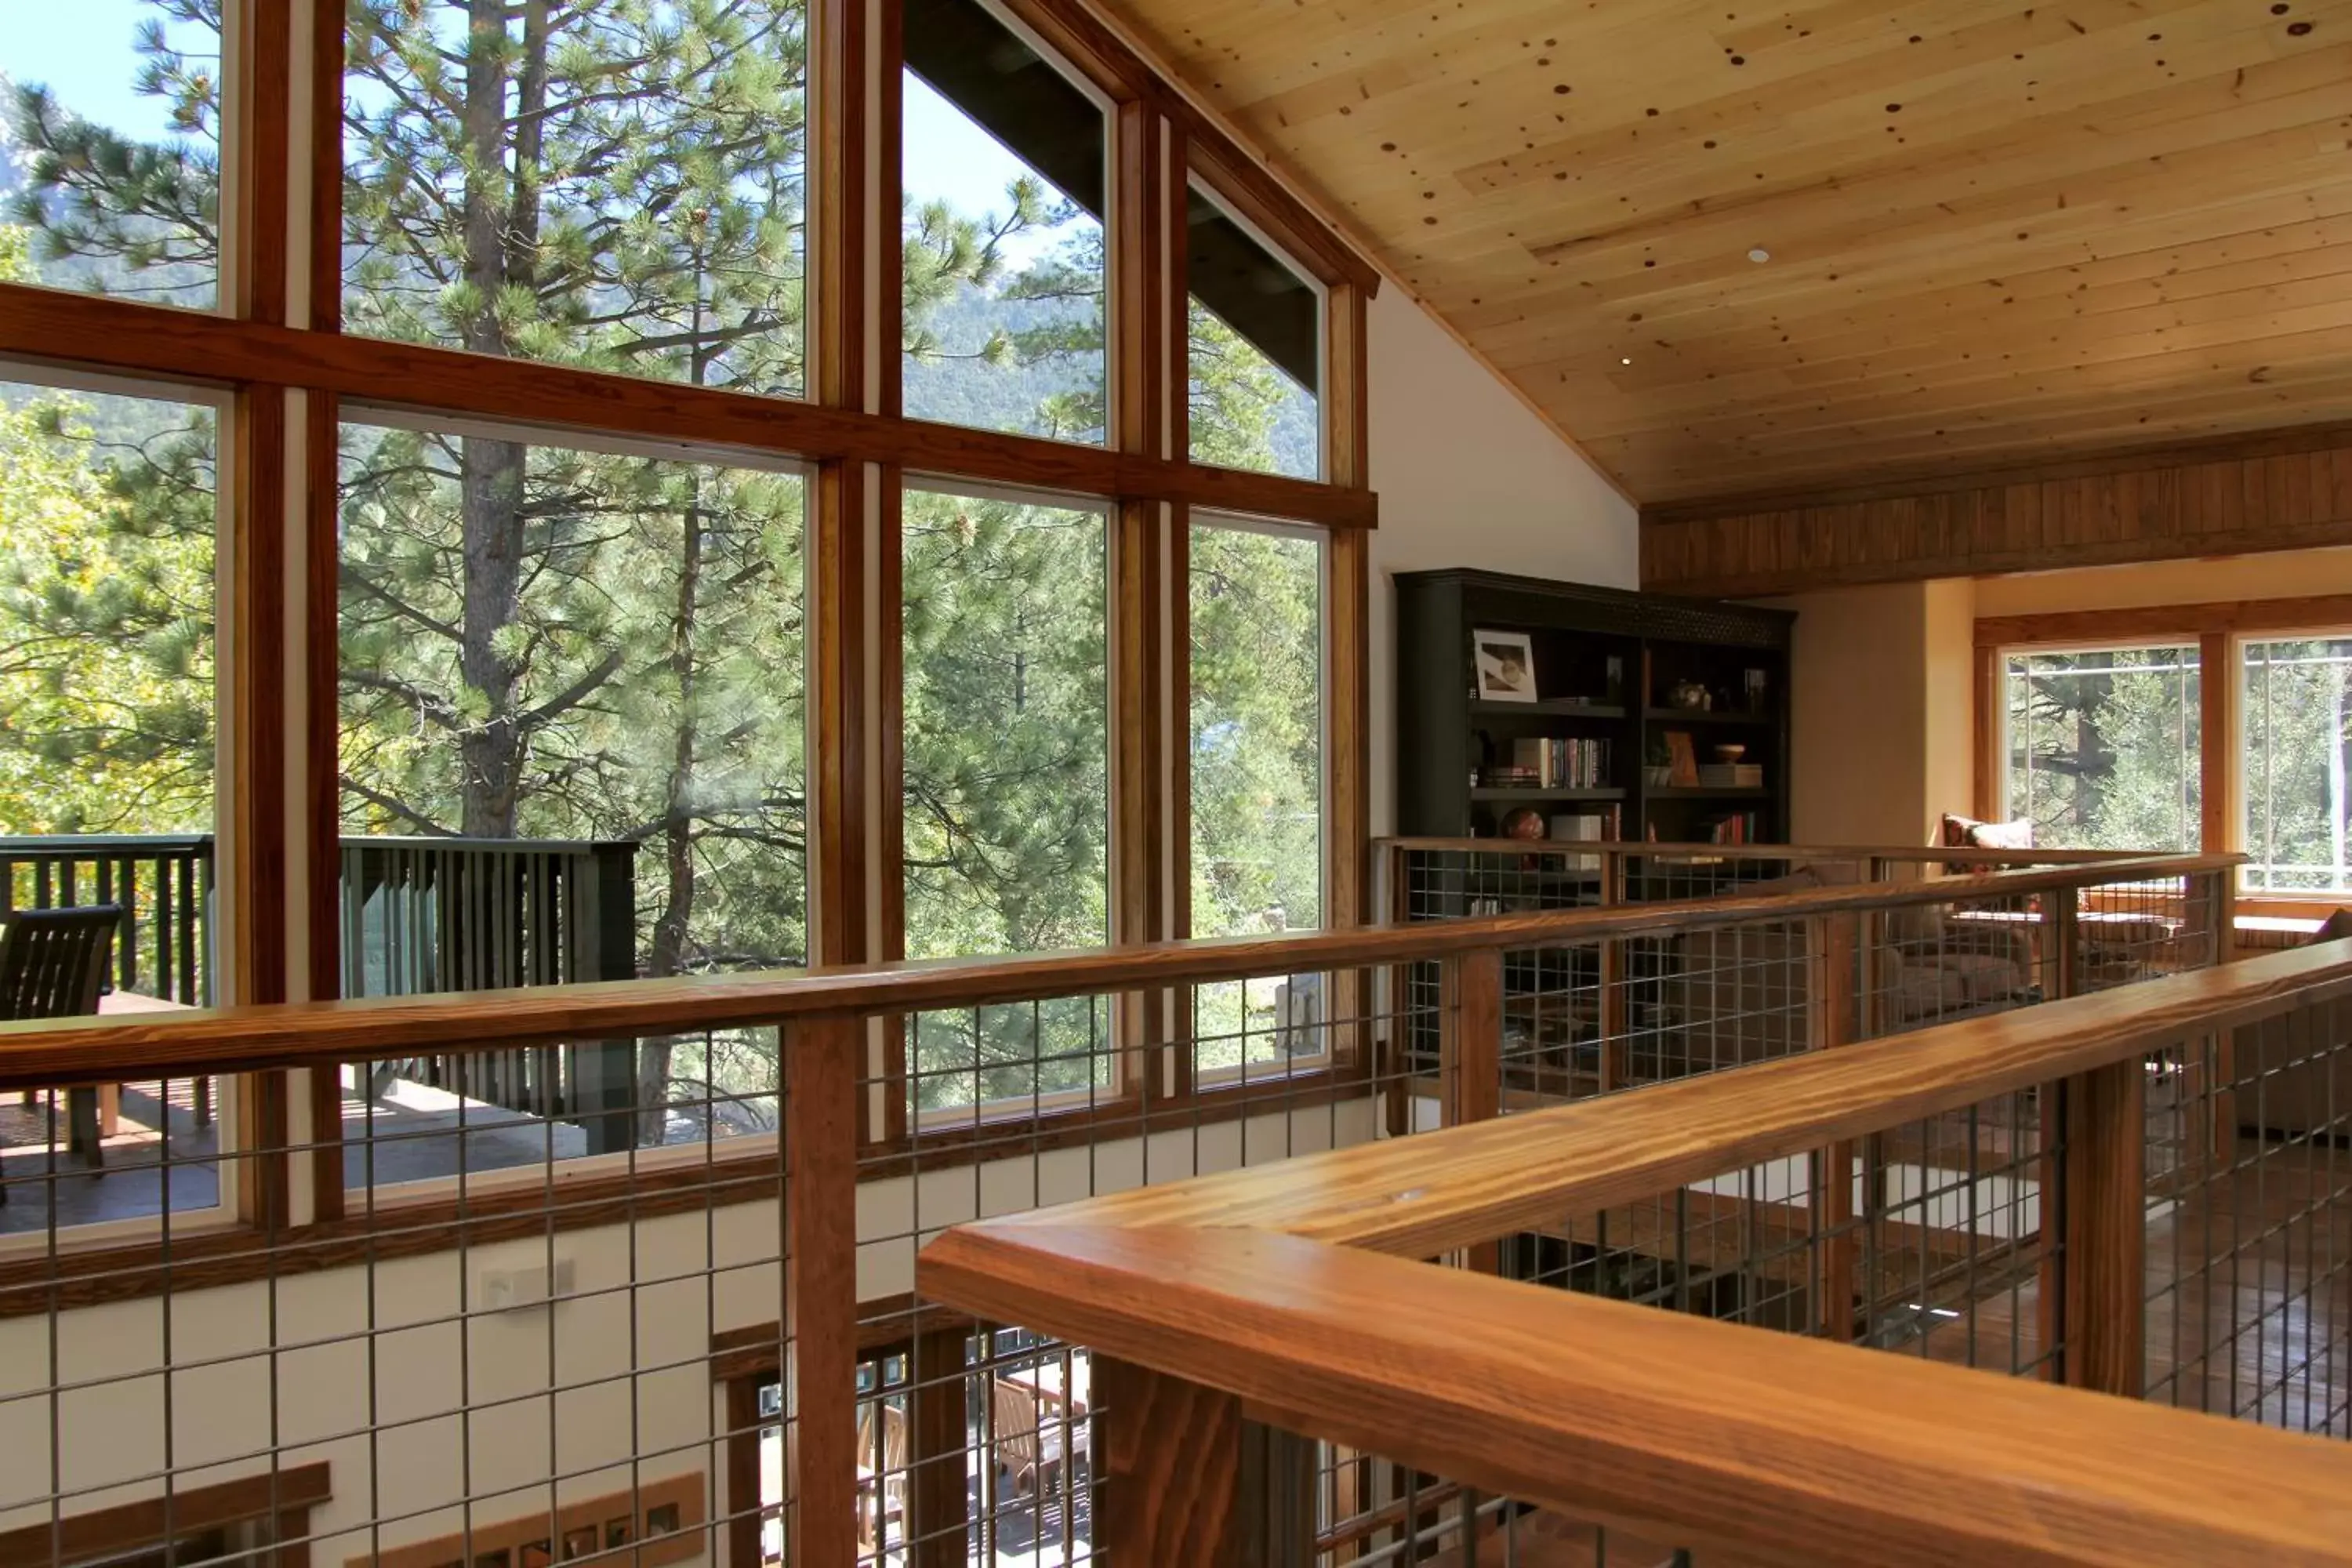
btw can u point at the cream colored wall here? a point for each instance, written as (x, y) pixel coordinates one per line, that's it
(1885, 677)
(1858, 680)
(1468, 477)
(1948, 654)
(2281, 574)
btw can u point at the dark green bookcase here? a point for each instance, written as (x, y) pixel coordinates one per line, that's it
(1577, 631)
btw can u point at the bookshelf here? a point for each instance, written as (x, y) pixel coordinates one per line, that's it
(1612, 670)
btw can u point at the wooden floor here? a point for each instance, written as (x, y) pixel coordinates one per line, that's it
(47, 1186)
(2249, 1290)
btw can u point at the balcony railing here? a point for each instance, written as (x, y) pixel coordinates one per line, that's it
(164, 884)
(2132, 1194)
(723, 1349)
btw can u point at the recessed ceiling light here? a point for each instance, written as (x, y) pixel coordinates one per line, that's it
(1759, 254)
(1624, 362)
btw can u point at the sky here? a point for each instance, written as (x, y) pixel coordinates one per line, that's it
(83, 52)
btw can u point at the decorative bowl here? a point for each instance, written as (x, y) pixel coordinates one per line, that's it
(1730, 754)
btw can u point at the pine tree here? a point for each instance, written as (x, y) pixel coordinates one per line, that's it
(539, 639)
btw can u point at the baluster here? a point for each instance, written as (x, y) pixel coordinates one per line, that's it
(820, 1066)
(165, 909)
(1172, 1469)
(1470, 1054)
(2102, 1202)
(1836, 942)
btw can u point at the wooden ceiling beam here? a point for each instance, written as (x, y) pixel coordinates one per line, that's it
(2283, 489)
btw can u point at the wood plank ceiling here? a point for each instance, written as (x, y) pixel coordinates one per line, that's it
(1734, 247)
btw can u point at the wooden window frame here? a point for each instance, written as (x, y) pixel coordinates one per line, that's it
(274, 350)
(2219, 628)
(286, 1497)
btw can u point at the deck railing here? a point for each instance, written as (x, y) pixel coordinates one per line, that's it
(502, 1339)
(164, 884)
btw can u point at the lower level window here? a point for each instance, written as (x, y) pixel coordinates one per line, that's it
(2103, 747)
(2298, 805)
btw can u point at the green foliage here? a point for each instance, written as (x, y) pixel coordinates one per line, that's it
(106, 622)
(550, 641)
(2297, 727)
(2104, 748)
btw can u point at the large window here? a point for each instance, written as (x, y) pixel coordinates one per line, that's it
(512, 479)
(2297, 730)
(109, 149)
(576, 676)
(612, 184)
(1257, 699)
(1006, 180)
(1007, 777)
(2103, 747)
(1254, 340)
(108, 663)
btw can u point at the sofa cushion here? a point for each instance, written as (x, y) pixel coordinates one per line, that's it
(1982, 976)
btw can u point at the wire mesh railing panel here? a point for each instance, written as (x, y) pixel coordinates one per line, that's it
(2249, 1221)
(510, 1349)
(978, 1437)
(470, 1120)
(1925, 1239)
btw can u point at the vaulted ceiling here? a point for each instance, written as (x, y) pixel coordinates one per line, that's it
(1737, 248)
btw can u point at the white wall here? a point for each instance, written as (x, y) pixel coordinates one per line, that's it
(1468, 477)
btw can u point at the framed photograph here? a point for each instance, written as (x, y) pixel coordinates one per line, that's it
(662, 1519)
(617, 1532)
(1507, 665)
(580, 1542)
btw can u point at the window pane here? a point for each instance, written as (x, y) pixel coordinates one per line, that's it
(111, 173)
(107, 734)
(2297, 815)
(1007, 777)
(1256, 782)
(1256, 340)
(1005, 179)
(610, 184)
(572, 738)
(2103, 748)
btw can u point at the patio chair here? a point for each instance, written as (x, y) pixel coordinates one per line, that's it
(1029, 1435)
(53, 964)
(882, 1481)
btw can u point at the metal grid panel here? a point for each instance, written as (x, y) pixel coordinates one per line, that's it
(2250, 1230)
(983, 1434)
(514, 1349)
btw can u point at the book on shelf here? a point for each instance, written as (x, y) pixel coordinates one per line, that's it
(1739, 827)
(1731, 775)
(1560, 761)
(1587, 827)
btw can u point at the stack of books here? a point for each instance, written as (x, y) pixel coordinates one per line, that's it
(1559, 762)
(1731, 775)
(1739, 827)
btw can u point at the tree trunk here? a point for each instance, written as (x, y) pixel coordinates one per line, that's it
(502, 228)
(672, 926)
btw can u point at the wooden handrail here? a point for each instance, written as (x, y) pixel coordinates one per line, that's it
(252, 1038)
(1782, 1448)
(1954, 855)
(1270, 1286)
(1419, 1196)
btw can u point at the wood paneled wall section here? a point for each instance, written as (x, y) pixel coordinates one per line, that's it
(2284, 491)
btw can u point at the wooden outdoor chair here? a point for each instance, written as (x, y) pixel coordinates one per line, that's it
(53, 964)
(882, 1481)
